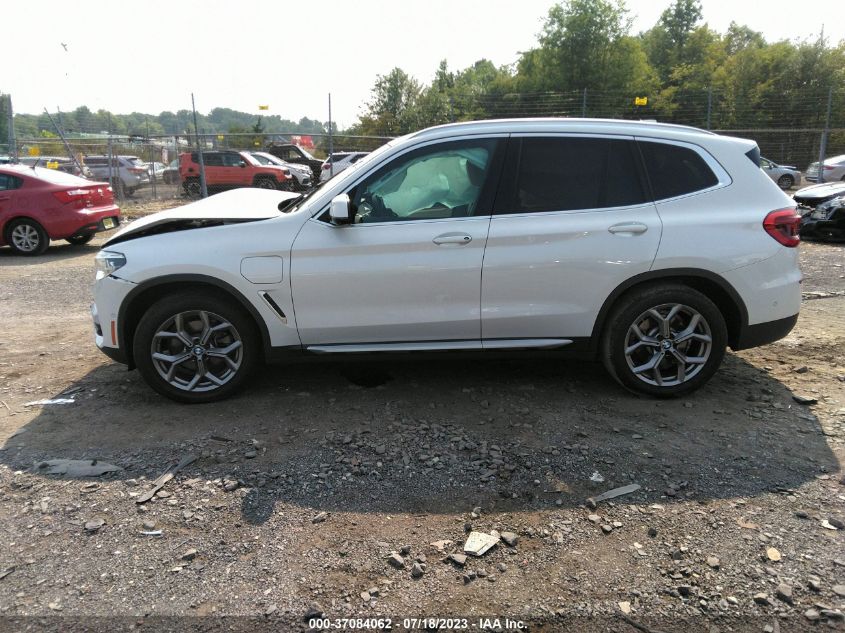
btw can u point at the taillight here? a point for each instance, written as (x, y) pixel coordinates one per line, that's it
(72, 196)
(327, 166)
(828, 167)
(783, 225)
(137, 170)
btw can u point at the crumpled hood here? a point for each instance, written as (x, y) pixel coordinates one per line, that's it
(229, 207)
(822, 190)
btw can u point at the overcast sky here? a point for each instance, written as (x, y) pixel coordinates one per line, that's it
(148, 56)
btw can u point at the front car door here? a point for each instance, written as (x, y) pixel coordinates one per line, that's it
(572, 222)
(407, 272)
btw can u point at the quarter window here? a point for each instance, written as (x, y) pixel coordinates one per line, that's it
(569, 173)
(441, 181)
(674, 170)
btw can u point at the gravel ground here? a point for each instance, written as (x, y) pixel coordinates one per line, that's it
(304, 487)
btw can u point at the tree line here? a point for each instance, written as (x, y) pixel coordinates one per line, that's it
(588, 62)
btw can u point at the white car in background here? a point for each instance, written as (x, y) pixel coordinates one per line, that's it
(833, 170)
(650, 247)
(301, 173)
(337, 162)
(786, 176)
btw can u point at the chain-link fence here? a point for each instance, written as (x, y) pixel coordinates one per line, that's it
(143, 165)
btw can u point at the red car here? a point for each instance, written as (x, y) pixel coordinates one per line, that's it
(226, 169)
(38, 205)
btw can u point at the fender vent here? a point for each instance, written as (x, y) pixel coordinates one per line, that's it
(273, 306)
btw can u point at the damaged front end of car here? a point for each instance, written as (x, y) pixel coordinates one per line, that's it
(824, 222)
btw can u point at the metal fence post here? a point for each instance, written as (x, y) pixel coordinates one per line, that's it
(203, 187)
(331, 138)
(13, 148)
(584, 104)
(709, 104)
(825, 132)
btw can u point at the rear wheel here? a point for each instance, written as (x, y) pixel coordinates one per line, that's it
(82, 238)
(265, 183)
(786, 181)
(196, 348)
(27, 237)
(665, 341)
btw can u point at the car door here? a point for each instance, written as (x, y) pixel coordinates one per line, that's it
(572, 222)
(407, 271)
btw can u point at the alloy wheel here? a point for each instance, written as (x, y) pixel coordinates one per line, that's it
(25, 238)
(197, 351)
(668, 345)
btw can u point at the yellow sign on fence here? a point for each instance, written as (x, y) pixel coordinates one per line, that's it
(640, 101)
(263, 107)
(34, 150)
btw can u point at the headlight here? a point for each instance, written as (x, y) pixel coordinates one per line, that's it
(106, 262)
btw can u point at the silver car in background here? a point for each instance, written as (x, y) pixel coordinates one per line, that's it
(834, 169)
(786, 176)
(301, 173)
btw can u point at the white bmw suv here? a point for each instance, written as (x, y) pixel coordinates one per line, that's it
(651, 247)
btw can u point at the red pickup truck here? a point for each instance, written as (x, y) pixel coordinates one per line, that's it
(228, 169)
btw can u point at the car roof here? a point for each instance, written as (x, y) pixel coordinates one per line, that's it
(573, 125)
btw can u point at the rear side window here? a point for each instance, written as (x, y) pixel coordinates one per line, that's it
(568, 173)
(9, 182)
(212, 159)
(675, 171)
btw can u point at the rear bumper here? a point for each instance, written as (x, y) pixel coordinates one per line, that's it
(764, 333)
(70, 223)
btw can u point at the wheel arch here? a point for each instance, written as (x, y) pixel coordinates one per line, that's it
(147, 293)
(713, 286)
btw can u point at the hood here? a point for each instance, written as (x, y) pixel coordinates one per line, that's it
(824, 190)
(229, 207)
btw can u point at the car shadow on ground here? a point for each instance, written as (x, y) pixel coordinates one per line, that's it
(439, 437)
(57, 251)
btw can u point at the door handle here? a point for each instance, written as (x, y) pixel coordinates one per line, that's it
(631, 228)
(452, 238)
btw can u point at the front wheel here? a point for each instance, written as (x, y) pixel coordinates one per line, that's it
(786, 181)
(195, 347)
(664, 341)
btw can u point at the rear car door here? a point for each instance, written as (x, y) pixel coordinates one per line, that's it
(8, 185)
(409, 269)
(572, 221)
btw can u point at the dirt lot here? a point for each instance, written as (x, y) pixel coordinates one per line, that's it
(304, 486)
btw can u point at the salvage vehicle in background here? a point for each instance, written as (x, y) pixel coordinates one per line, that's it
(826, 221)
(62, 163)
(128, 172)
(786, 176)
(814, 195)
(833, 169)
(337, 162)
(228, 169)
(294, 154)
(39, 204)
(651, 247)
(170, 175)
(301, 173)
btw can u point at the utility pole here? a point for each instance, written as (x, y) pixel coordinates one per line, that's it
(203, 187)
(64, 141)
(823, 144)
(709, 104)
(13, 148)
(331, 139)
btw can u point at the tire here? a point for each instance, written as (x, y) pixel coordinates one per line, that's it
(786, 181)
(265, 183)
(81, 239)
(226, 325)
(627, 354)
(26, 237)
(192, 188)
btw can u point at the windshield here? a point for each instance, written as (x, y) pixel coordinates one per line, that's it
(268, 159)
(306, 154)
(262, 159)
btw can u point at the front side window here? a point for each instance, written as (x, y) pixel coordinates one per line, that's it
(674, 170)
(212, 159)
(569, 173)
(232, 160)
(436, 182)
